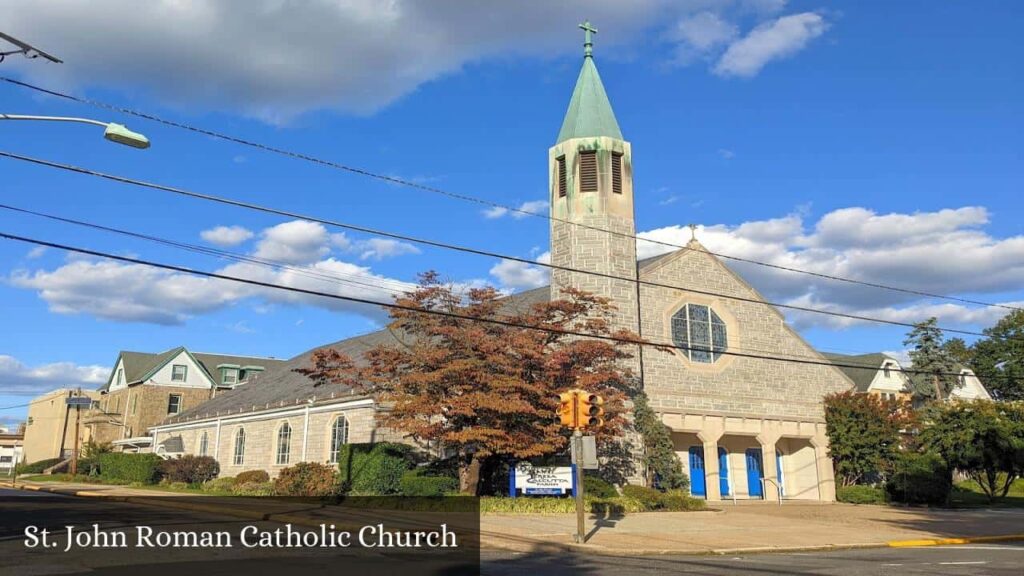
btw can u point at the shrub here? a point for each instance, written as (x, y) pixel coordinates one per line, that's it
(859, 494)
(253, 489)
(306, 479)
(649, 498)
(190, 469)
(373, 469)
(418, 483)
(598, 488)
(129, 468)
(250, 476)
(219, 484)
(919, 479)
(680, 501)
(89, 467)
(36, 467)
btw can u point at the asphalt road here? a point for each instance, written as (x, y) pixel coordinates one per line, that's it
(20, 508)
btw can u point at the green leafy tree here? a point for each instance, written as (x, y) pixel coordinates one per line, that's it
(998, 359)
(659, 452)
(933, 375)
(958, 350)
(981, 438)
(863, 433)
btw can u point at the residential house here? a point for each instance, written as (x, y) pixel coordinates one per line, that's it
(883, 376)
(144, 389)
(11, 451)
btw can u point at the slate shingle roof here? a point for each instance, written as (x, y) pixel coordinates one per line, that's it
(139, 365)
(862, 377)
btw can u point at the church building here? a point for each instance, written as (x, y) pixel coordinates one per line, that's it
(744, 427)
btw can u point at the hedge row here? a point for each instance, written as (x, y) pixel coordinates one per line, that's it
(129, 468)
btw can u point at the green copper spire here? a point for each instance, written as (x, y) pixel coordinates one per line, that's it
(590, 112)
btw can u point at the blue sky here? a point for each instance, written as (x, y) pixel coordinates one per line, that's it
(875, 140)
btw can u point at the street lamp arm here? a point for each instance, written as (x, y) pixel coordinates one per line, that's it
(112, 131)
(52, 119)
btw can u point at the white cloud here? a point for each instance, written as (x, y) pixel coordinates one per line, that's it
(381, 248)
(19, 379)
(942, 252)
(36, 252)
(226, 236)
(513, 275)
(273, 59)
(294, 242)
(773, 40)
(726, 153)
(523, 211)
(138, 293)
(701, 33)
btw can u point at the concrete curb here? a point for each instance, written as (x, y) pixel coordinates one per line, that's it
(953, 541)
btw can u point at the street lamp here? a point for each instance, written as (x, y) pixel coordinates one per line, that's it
(113, 132)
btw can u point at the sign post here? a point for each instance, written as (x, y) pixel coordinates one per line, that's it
(579, 409)
(77, 401)
(577, 439)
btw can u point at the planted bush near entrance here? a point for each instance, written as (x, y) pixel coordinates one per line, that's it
(306, 479)
(860, 495)
(373, 468)
(252, 476)
(920, 479)
(36, 467)
(418, 483)
(129, 468)
(189, 469)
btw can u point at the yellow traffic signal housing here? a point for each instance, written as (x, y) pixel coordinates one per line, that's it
(589, 411)
(567, 409)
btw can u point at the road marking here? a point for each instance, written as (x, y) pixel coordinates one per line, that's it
(961, 563)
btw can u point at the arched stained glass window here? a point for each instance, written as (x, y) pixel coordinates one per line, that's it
(239, 447)
(204, 443)
(284, 444)
(339, 437)
(700, 332)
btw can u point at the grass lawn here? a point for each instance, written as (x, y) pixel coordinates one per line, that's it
(969, 495)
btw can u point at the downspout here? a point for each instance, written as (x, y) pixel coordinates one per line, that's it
(124, 419)
(305, 429)
(216, 443)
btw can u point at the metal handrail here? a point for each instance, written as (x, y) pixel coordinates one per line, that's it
(778, 487)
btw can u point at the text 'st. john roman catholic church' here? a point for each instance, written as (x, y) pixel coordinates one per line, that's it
(743, 427)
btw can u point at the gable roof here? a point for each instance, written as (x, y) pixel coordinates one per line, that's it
(590, 113)
(139, 366)
(862, 377)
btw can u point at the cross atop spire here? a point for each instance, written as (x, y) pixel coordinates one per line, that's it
(693, 232)
(588, 38)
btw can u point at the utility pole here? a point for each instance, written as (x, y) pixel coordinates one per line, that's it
(78, 427)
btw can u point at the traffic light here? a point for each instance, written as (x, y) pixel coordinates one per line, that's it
(567, 409)
(589, 410)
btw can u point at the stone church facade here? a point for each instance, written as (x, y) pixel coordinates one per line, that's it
(744, 428)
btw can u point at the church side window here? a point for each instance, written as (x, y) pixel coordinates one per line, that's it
(284, 443)
(204, 444)
(561, 177)
(588, 171)
(339, 437)
(239, 447)
(616, 173)
(700, 332)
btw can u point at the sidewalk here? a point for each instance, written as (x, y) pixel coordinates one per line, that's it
(732, 529)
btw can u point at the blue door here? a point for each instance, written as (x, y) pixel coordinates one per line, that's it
(755, 472)
(697, 487)
(723, 471)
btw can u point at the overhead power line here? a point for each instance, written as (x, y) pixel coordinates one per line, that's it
(481, 201)
(343, 280)
(448, 246)
(443, 313)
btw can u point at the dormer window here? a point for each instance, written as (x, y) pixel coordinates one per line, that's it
(963, 378)
(885, 369)
(179, 373)
(588, 171)
(120, 376)
(230, 376)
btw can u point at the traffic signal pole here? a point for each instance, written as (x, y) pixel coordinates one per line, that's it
(577, 440)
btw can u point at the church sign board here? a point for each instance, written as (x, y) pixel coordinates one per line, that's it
(530, 480)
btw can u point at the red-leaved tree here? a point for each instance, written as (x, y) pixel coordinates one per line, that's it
(483, 389)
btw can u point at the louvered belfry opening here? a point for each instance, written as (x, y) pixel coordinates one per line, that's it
(617, 172)
(561, 177)
(588, 171)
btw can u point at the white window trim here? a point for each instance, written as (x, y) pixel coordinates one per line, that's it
(169, 397)
(184, 374)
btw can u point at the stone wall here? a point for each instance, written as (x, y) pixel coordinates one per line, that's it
(261, 435)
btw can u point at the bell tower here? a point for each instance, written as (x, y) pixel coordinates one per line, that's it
(591, 197)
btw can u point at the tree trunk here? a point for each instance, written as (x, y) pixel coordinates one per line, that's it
(469, 476)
